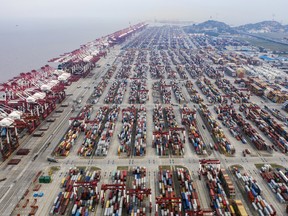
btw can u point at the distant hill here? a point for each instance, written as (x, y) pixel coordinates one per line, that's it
(263, 27)
(210, 26)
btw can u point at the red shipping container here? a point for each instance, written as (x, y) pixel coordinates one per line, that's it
(285, 196)
(250, 196)
(212, 193)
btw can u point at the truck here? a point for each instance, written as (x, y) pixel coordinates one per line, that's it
(3, 179)
(50, 159)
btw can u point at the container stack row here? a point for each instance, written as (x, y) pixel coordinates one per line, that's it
(128, 58)
(276, 113)
(115, 200)
(238, 208)
(194, 68)
(160, 133)
(124, 72)
(116, 92)
(212, 94)
(238, 125)
(139, 92)
(141, 132)
(219, 199)
(217, 133)
(139, 198)
(126, 136)
(195, 97)
(92, 132)
(212, 72)
(236, 95)
(267, 125)
(140, 70)
(189, 196)
(77, 125)
(188, 117)
(178, 92)
(227, 183)
(171, 74)
(80, 193)
(63, 149)
(142, 58)
(181, 72)
(165, 92)
(167, 203)
(176, 134)
(156, 71)
(277, 181)
(107, 132)
(254, 194)
(99, 89)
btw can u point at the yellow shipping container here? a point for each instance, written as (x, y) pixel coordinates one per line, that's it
(107, 204)
(63, 180)
(241, 208)
(232, 210)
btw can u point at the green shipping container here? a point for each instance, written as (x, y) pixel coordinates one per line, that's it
(44, 179)
(41, 179)
(47, 179)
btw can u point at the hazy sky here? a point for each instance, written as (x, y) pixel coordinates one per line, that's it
(233, 12)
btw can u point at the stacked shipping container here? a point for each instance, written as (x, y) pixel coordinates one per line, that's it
(107, 133)
(254, 194)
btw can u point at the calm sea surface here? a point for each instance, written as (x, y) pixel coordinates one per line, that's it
(28, 44)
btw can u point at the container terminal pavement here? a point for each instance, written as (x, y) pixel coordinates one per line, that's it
(155, 125)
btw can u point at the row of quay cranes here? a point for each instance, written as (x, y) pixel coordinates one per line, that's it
(33, 93)
(25, 100)
(81, 61)
(10, 123)
(122, 35)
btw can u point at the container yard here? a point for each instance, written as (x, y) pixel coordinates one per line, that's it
(236, 95)
(276, 180)
(79, 193)
(139, 198)
(112, 195)
(275, 132)
(116, 92)
(195, 97)
(127, 194)
(160, 137)
(221, 142)
(168, 137)
(189, 120)
(77, 126)
(104, 141)
(239, 128)
(142, 104)
(178, 92)
(167, 202)
(99, 89)
(139, 92)
(219, 185)
(92, 132)
(254, 194)
(127, 134)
